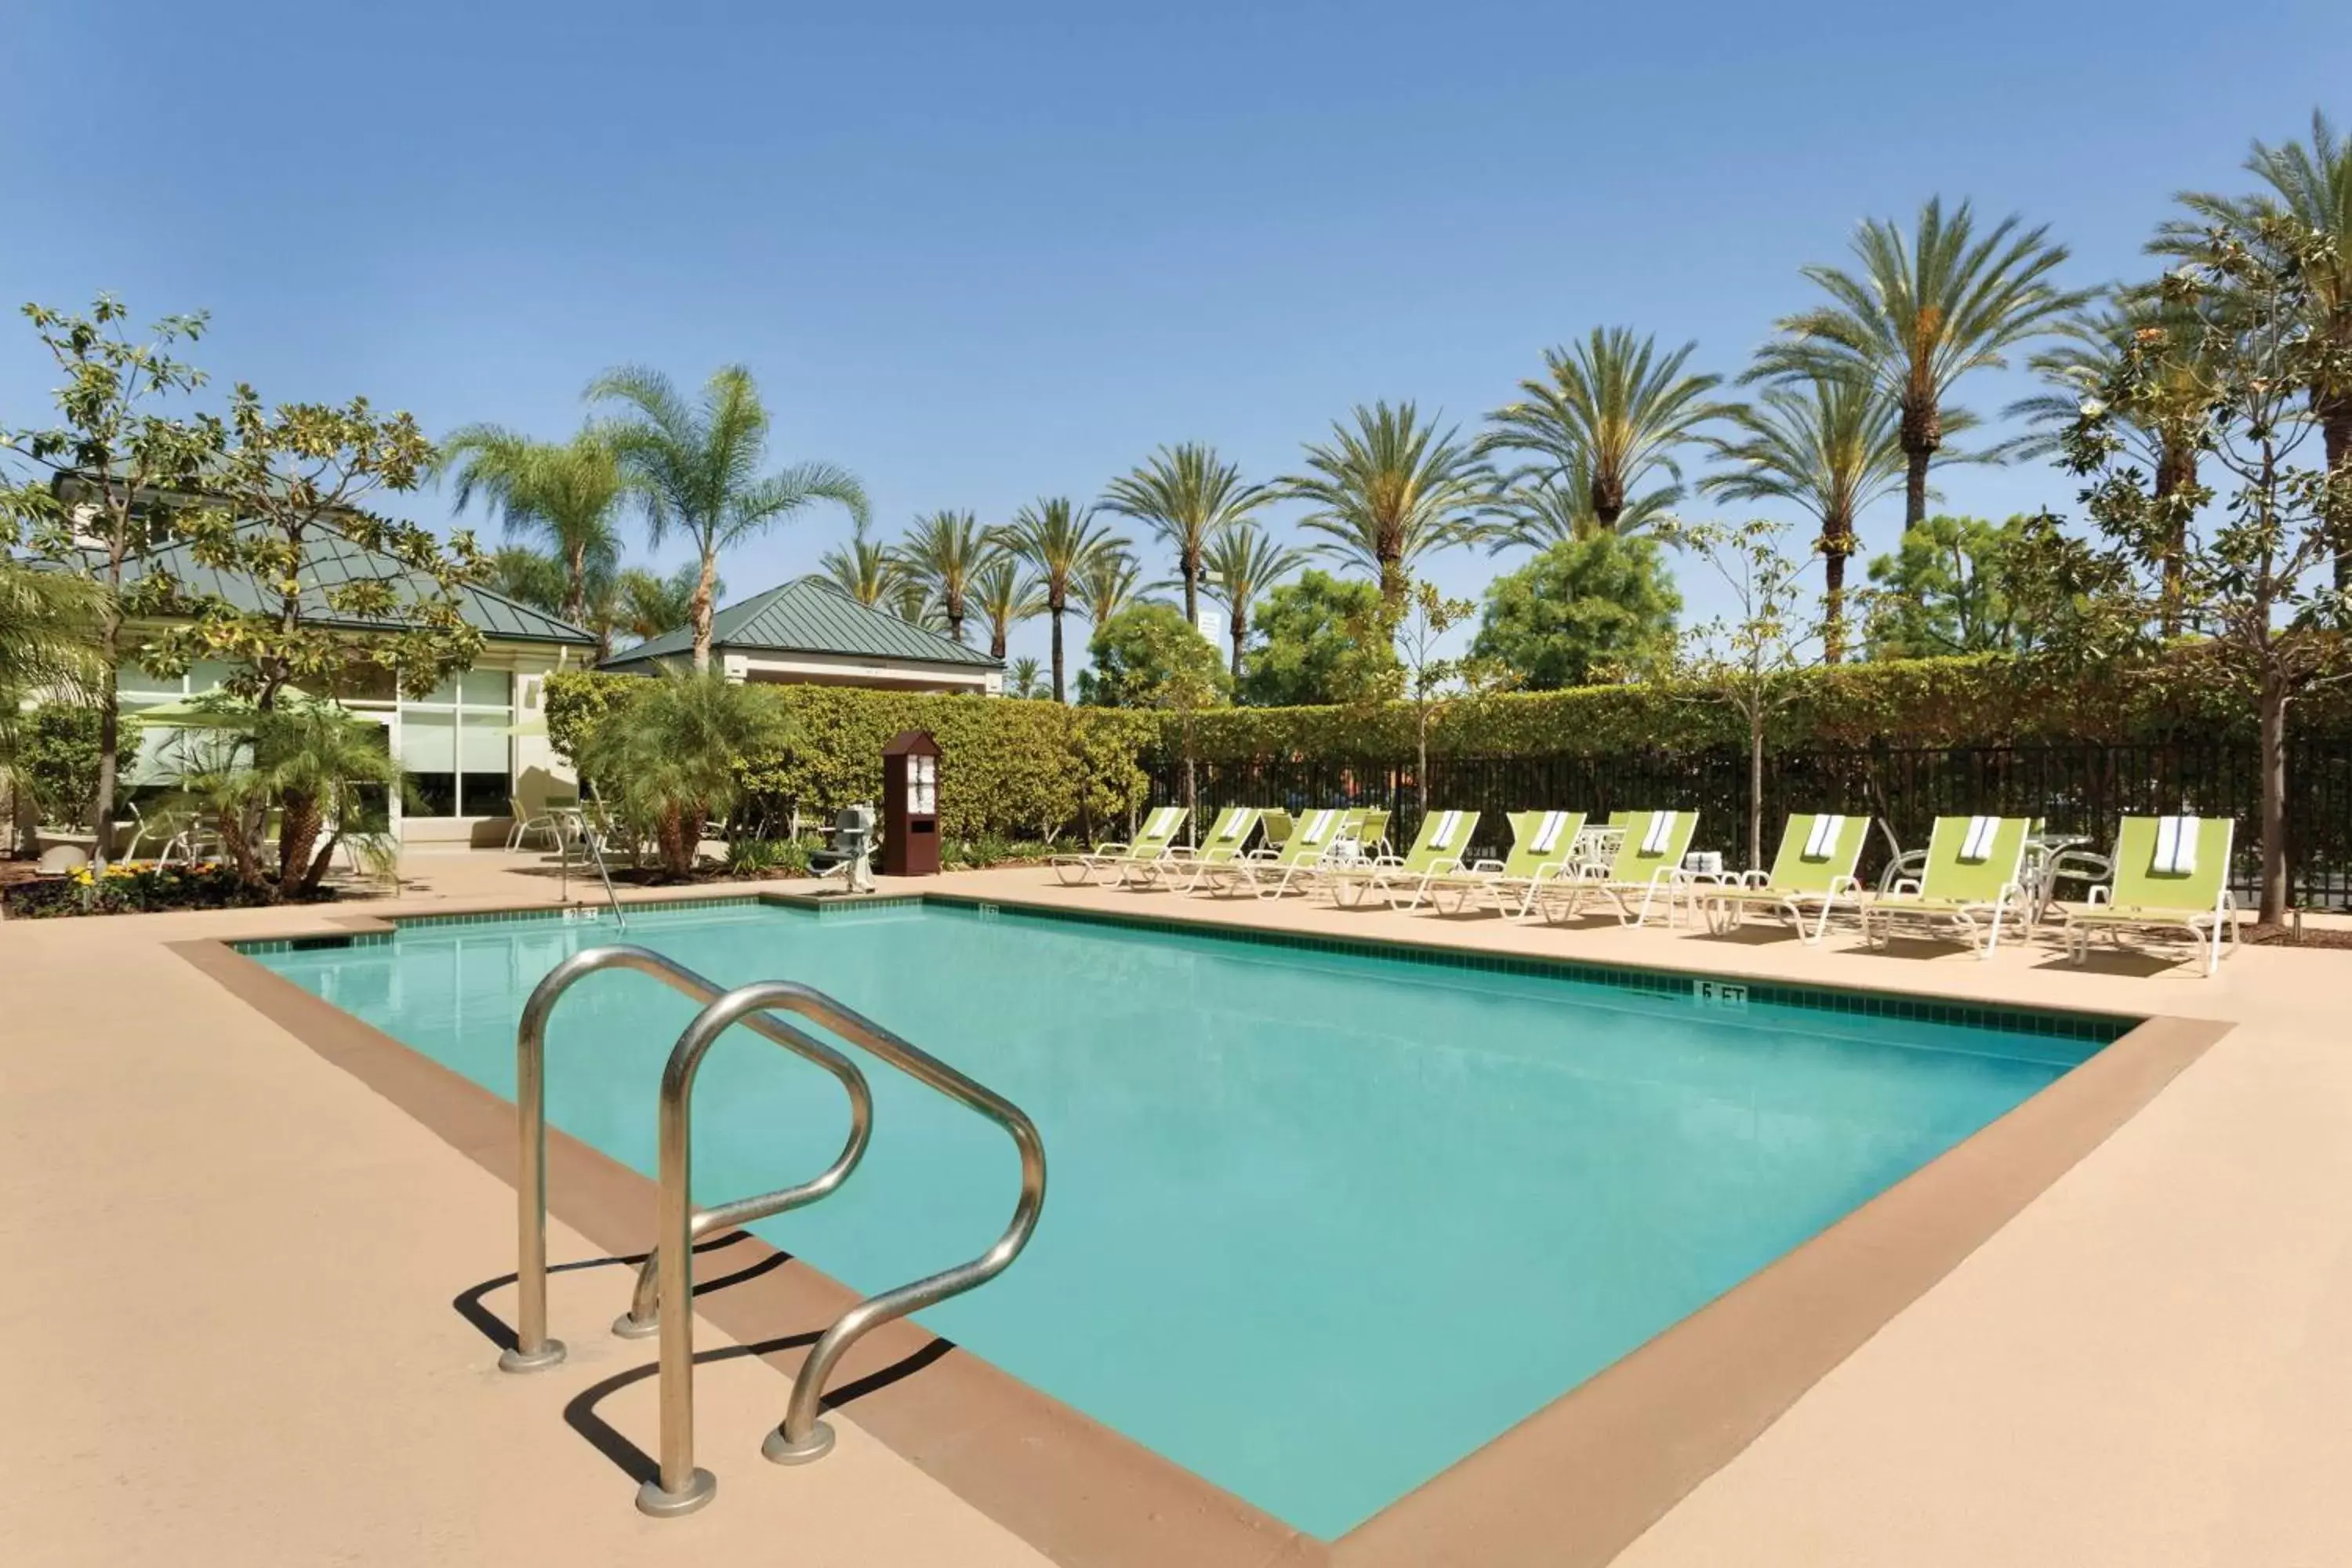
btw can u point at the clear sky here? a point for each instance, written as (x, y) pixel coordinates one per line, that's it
(983, 253)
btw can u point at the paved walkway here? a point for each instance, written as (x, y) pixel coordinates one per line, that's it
(232, 1339)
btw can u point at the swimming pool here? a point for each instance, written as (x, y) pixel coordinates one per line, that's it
(1322, 1221)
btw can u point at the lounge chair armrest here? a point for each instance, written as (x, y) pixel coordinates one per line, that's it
(1487, 866)
(1114, 843)
(1904, 886)
(2102, 894)
(1755, 879)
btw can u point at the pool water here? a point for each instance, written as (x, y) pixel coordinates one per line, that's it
(1317, 1224)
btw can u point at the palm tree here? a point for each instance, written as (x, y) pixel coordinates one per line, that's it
(1830, 446)
(1057, 539)
(1390, 491)
(864, 569)
(1610, 412)
(1111, 581)
(1003, 594)
(2312, 185)
(1024, 679)
(566, 496)
(2168, 424)
(1923, 312)
(1188, 496)
(645, 603)
(1240, 564)
(671, 755)
(1540, 510)
(911, 600)
(945, 552)
(695, 469)
(535, 577)
(315, 760)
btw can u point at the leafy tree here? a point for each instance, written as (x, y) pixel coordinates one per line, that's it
(1058, 541)
(1111, 582)
(1144, 652)
(2167, 431)
(530, 577)
(866, 569)
(132, 469)
(1188, 496)
(670, 756)
(1750, 657)
(1922, 311)
(49, 629)
(317, 763)
(1585, 610)
(1004, 594)
(1025, 680)
(695, 468)
(1397, 660)
(1390, 491)
(1308, 650)
(564, 496)
(2254, 579)
(1241, 563)
(945, 552)
(2310, 194)
(295, 480)
(1952, 586)
(1830, 445)
(1607, 414)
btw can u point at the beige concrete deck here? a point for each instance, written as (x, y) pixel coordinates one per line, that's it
(231, 1338)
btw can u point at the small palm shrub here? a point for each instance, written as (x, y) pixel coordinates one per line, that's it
(767, 857)
(669, 756)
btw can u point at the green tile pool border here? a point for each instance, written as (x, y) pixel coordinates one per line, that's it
(2096, 1028)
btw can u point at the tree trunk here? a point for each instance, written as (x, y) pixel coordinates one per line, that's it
(575, 603)
(1055, 612)
(1922, 433)
(2176, 470)
(698, 610)
(1837, 545)
(1241, 641)
(297, 830)
(1756, 791)
(110, 723)
(1192, 587)
(2336, 431)
(1608, 499)
(2273, 776)
(996, 639)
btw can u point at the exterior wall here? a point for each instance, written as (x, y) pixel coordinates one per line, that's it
(835, 669)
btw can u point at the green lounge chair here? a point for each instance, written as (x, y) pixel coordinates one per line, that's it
(1271, 874)
(1227, 840)
(2172, 874)
(1540, 845)
(1370, 828)
(1648, 862)
(1973, 880)
(1812, 873)
(1274, 827)
(1436, 849)
(1151, 842)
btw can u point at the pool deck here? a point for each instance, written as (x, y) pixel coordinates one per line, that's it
(233, 1338)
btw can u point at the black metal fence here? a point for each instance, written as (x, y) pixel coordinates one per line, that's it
(2075, 788)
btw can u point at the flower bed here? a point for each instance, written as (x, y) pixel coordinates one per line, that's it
(135, 887)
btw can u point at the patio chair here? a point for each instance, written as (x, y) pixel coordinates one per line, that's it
(1436, 849)
(1540, 843)
(1150, 841)
(1271, 873)
(2172, 874)
(1972, 882)
(1811, 874)
(1647, 862)
(1228, 837)
(547, 819)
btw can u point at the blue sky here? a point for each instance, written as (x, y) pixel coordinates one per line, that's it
(984, 254)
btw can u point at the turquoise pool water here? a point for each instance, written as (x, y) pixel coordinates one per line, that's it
(1319, 1223)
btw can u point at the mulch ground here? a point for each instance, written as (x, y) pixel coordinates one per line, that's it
(2283, 936)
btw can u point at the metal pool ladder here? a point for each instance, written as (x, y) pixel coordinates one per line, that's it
(661, 1302)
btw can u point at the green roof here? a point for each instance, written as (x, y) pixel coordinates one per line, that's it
(329, 560)
(810, 616)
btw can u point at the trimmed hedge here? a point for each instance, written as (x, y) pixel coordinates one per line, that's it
(1986, 700)
(1008, 768)
(1034, 769)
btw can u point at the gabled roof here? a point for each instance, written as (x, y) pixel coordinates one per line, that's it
(329, 560)
(810, 616)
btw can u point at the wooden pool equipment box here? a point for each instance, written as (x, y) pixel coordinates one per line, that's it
(910, 805)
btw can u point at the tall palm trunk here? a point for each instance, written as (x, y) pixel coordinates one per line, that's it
(996, 639)
(1239, 626)
(1054, 611)
(1837, 549)
(575, 603)
(2176, 470)
(698, 609)
(1192, 564)
(1923, 432)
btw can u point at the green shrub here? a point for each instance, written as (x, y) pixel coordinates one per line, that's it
(57, 749)
(767, 857)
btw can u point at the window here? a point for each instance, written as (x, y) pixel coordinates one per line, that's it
(454, 748)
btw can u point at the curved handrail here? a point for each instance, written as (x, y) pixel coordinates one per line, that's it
(532, 1348)
(680, 1488)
